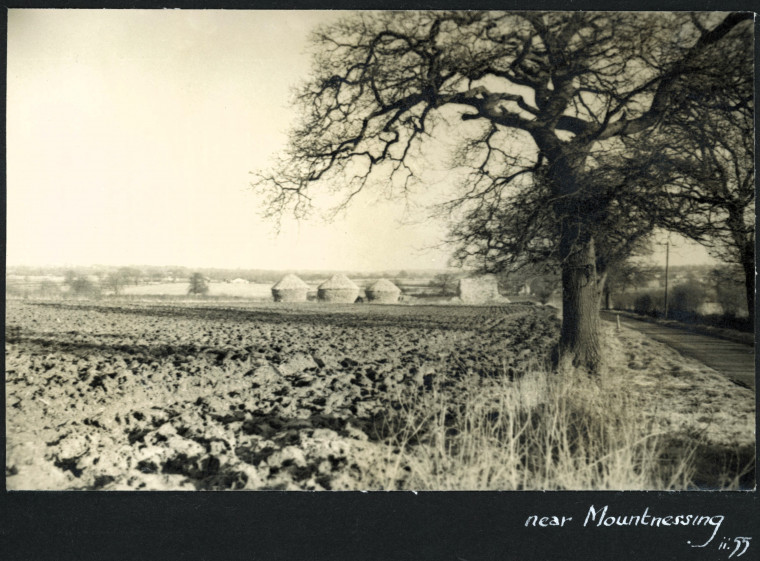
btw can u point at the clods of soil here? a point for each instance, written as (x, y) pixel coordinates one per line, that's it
(270, 396)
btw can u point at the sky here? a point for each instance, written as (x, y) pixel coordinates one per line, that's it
(132, 136)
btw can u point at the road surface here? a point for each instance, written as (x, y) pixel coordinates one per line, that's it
(735, 360)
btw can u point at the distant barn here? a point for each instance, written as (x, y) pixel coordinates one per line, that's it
(480, 290)
(383, 291)
(290, 289)
(338, 289)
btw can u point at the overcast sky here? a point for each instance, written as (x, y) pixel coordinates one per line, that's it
(131, 136)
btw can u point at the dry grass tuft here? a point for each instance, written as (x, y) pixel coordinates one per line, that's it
(539, 432)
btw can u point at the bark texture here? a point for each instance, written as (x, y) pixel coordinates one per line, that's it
(580, 337)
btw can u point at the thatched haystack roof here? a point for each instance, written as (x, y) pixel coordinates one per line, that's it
(383, 285)
(383, 291)
(338, 289)
(289, 282)
(290, 289)
(339, 281)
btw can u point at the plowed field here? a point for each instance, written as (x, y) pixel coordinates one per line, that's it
(264, 396)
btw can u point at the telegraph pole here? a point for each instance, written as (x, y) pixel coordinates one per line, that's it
(667, 259)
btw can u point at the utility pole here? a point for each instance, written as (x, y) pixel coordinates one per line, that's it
(667, 259)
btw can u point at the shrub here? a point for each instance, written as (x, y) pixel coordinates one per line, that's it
(198, 284)
(686, 299)
(730, 294)
(644, 305)
(83, 287)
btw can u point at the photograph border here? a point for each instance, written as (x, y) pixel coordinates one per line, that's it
(393, 526)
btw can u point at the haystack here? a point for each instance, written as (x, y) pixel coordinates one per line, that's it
(383, 291)
(338, 289)
(290, 289)
(480, 290)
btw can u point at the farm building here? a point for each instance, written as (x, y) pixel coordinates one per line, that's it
(383, 291)
(479, 290)
(290, 289)
(338, 289)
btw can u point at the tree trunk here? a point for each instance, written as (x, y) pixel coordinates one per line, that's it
(580, 338)
(744, 245)
(749, 284)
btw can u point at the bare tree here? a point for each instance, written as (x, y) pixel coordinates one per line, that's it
(624, 275)
(445, 282)
(566, 86)
(522, 279)
(709, 142)
(115, 282)
(81, 285)
(728, 283)
(130, 275)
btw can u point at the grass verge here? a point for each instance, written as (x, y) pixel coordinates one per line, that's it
(654, 421)
(540, 432)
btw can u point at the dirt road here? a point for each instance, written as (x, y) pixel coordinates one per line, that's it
(735, 360)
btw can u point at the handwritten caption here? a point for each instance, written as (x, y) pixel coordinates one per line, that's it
(602, 517)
